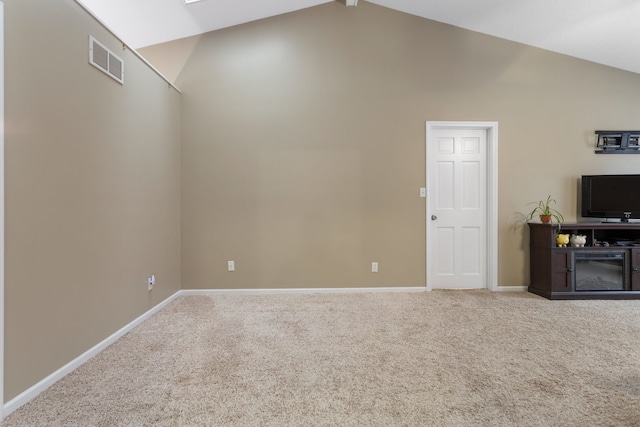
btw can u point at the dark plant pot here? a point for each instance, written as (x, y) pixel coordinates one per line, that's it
(546, 219)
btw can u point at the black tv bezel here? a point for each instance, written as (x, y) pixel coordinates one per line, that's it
(585, 212)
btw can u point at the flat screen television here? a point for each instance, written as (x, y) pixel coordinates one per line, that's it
(611, 196)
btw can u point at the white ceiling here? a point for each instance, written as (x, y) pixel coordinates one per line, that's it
(602, 31)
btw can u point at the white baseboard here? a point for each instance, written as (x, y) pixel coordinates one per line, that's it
(511, 288)
(300, 290)
(47, 382)
(249, 291)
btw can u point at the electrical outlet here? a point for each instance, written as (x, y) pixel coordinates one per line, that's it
(423, 192)
(374, 267)
(150, 282)
(231, 266)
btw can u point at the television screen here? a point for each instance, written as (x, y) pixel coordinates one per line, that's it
(611, 196)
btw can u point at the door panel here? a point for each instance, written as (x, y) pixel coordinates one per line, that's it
(446, 258)
(445, 185)
(471, 249)
(471, 185)
(562, 276)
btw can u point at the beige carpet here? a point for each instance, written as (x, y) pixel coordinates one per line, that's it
(445, 358)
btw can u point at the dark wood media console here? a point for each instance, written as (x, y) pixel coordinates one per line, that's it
(607, 267)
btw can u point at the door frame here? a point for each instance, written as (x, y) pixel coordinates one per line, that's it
(491, 226)
(1, 211)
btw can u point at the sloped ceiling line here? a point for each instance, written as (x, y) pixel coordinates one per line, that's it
(605, 32)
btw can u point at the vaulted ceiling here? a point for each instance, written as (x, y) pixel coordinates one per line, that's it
(602, 31)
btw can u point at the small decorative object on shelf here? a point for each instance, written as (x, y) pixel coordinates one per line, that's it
(545, 211)
(578, 240)
(618, 142)
(562, 240)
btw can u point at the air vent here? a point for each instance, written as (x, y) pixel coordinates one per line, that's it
(103, 59)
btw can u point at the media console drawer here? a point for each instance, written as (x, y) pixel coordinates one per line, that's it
(607, 267)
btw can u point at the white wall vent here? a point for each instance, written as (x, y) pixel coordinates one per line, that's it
(105, 60)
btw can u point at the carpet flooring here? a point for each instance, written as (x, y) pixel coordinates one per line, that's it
(444, 358)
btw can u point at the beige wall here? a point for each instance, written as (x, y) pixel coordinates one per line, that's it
(92, 190)
(170, 57)
(304, 142)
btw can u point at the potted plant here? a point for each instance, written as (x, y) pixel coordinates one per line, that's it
(545, 211)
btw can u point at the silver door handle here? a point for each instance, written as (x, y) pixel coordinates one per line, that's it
(433, 217)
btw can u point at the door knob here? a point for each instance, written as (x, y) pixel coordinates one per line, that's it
(433, 217)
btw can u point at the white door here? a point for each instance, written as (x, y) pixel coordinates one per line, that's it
(456, 208)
